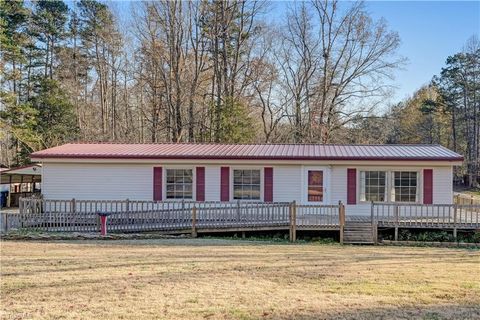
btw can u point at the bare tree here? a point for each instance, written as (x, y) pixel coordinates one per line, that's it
(148, 75)
(265, 84)
(197, 62)
(357, 55)
(299, 61)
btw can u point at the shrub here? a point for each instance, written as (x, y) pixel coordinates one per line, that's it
(437, 236)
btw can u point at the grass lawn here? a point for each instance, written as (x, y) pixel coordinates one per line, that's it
(221, 279)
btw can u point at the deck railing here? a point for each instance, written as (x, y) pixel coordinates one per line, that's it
(211, 216)
(308, 216)
(134, 216)
(427, 215)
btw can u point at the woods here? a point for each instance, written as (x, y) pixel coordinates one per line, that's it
(220, 71)
(446, 111)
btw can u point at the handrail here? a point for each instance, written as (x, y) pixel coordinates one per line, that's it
(426, 215)
(136, 215)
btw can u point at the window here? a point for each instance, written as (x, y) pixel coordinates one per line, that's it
(405, 186)
(179, 183)
(246, 184)
(315, 185)
(372, 185)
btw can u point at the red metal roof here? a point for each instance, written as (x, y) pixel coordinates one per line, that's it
(249, 151)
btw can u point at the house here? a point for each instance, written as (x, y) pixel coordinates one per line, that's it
(306, 173)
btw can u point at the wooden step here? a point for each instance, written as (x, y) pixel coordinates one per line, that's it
(357, 227)
(362, 235)
(358, 233)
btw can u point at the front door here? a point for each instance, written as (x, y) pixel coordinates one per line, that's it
(315, 179)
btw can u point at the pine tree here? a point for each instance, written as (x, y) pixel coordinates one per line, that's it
(48, 26)
(16, 117)
(56, 121)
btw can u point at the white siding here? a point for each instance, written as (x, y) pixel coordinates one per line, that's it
(442, 185)
(135, 181)
(97, 181)
(287, 185)
(339, 192)
(212, 183)
(339, 184)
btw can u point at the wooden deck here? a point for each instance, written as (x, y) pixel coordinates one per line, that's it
(174, 216)
(196, 217)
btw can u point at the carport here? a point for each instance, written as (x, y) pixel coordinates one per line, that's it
(20, 182)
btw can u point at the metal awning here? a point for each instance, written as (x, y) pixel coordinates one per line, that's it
(26, 174)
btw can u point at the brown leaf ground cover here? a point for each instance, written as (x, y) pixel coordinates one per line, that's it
(220, 279)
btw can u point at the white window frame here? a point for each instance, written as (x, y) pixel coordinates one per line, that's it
(232, 171)
(363, 185)
(418, 193)
(179, 167)
(390, 185)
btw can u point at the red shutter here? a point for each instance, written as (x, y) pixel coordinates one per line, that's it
(351, 186)
(157, 183)
(224, 183)
(268, 185)
(427, 186)
(200, 183)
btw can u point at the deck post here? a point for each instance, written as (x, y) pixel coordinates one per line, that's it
(73, 221)
(194, 221)
(341, 219)
(455, 222)
(372, 215)
(293, 218)
(127, 210)
(374, 224)
(238, 211)
(290, 209)
(20, 211)
(4, 221)
(294, 232)
(396, 221)
(72, 206)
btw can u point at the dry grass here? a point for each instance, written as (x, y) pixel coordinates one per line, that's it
(215, 279)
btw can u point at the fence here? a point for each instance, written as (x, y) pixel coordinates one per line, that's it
(173, 216)
(464, 199)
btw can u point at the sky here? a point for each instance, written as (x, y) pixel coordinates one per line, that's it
(430, 31)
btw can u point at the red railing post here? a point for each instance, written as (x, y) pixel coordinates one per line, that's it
(103, 225)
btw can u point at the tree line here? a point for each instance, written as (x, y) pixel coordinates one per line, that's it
(214, 71)
(445, 112)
